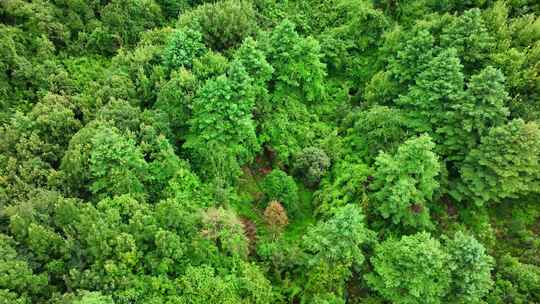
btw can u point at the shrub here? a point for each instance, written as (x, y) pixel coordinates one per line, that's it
(311, 165)
(279, 186)
(276, 217)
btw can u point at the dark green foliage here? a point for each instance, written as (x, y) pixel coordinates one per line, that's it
(404, 183)
(124, 20)
(351, 32)
(378, 129)
(175, 99)
(171, 8)
(223, 24)
(311, 164)
(429, 100)
(16, 277)
(515, 282)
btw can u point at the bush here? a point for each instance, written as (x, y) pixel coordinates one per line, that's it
(279, 186)
(276, 217)
(311, 165)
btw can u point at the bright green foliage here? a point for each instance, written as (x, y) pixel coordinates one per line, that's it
(254, 62)
(522, 79)
(381, 89)
(32, 145)
(253, 287)
(164, 165)
(504, 165)
(335, 246)
(297, 62)
(202, 285)
(471, 269)
(469, 36)
(223, 24)
(91, 161)
(183, 47)
(436, 89)
(279, 186)
(121, 240)
(116, 165)
(339, 240)
(415, 50)
(287, 127)
(349, 186)
(143, 67)
(407, 53)
(404, 183)
(298, 75)
(104, 160)
(210, 65)
(326, 283)
(411, 270)
(222, 121)
(223, 227)
(94, 298)
(43, 132)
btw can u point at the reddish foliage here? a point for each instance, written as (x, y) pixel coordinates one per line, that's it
(250, 230)
(450, 207)
(417, 208)
(265, 170)
(276, 216)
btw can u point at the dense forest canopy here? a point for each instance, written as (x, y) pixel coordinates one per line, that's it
(235, 151)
